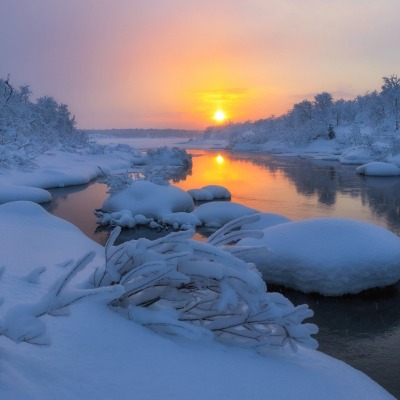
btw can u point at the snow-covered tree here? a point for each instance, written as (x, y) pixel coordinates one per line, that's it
(29, 128)
(390, 93)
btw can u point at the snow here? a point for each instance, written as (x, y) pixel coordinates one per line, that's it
(147, 199)
(14, 193)
(265, 220)
(218, 192)
(331, 256)
(57, 169)
(209, 193)
(378, 169)
(97, 354)
(218, 213)
(201, 195)
(356, 155)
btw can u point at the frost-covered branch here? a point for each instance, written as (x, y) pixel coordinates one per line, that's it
(176, 285)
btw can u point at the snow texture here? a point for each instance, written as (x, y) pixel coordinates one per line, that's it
(331, 256)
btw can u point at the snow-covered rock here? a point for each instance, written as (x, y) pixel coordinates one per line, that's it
(218, 192)
(378, 169)
(181, 220)
(218, 213)
(331, 256)
(146, 199)
(209, 193)
(200, 195)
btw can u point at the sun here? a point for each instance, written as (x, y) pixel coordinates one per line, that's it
(219, 159)
(219, 116)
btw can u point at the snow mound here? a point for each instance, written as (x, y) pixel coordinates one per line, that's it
(200, 195)
(218, 192)
(209, 193)
(149, 201)
(378, 169)
(10, 193)
(331, 256)
(217, 214)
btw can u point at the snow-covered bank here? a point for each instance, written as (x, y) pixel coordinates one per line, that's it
(58, 169)
(97, 354)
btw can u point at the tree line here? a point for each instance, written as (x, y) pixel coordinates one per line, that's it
(362, 120)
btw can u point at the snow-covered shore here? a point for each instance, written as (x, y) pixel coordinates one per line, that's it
(97, 354)
(57, 169)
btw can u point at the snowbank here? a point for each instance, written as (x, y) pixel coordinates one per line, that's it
(97, 354)
(14, 193)
(57, 169)
(378, 169)
(331, 256)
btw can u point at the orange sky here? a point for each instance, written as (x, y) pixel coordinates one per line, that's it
(172, 63)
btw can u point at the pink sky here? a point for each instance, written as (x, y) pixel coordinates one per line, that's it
(173, 63)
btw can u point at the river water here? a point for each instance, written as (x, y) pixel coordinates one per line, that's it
(362, 330)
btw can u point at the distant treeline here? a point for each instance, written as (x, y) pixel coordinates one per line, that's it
(144, 133)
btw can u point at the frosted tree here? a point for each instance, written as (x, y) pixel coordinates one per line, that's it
(30, 128)
(390, 93)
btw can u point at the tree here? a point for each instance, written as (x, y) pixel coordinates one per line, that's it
(390, 91)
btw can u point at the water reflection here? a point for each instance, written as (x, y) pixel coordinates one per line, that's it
(336, 190)
(362, 330)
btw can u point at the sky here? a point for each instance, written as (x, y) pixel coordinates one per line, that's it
(174, 63)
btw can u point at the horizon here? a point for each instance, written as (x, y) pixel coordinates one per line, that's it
(176, 64)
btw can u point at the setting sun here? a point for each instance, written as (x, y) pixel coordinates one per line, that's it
(219, 116)
(219, 159)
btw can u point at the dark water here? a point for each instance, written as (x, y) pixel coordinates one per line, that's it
(362, 330)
